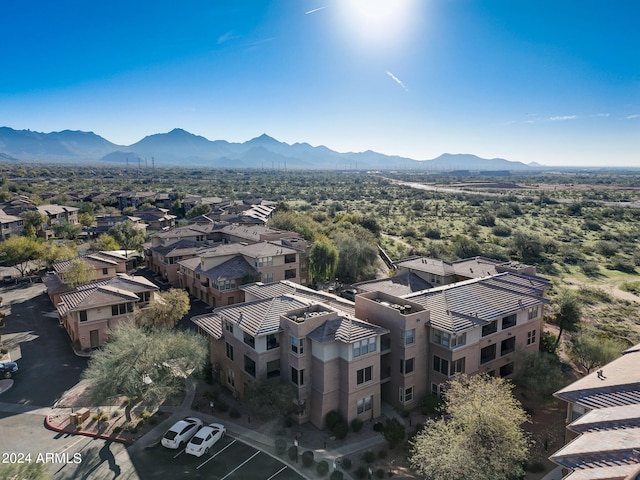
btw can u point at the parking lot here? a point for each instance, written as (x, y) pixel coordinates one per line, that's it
(229, 459)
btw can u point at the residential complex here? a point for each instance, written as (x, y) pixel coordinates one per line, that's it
(603, 422)
(349, 356)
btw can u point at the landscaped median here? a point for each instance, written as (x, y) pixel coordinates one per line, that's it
(58, 423)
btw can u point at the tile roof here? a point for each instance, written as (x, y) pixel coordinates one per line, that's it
(185, 231)
(233, 268)
(402, 283)
(284, 287)
(615, 472)
(464, 305)
(345, 330)
(93, 261)
(56, 209)
(176, 249)
(607, 418)
(209, 323)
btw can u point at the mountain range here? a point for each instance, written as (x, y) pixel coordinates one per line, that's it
(179, 147)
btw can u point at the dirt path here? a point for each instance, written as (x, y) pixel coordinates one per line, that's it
(611, 286)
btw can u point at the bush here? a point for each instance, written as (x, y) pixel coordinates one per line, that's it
(340, 430)
(116, 413)
(117, 429)
(221, 406)
(501, 231)
(393, 432)
(369, 456)
(332, 419)
(234, 413)
(322, 468)
(145, 414)
(307, 458)
(281, 446)
(346, 463)
(380, 473)
(534, 467)
(336, 475)
(622, 265)
(378, 427)
(356, 425)
(361, 472)
(432, 233)
(293, 452)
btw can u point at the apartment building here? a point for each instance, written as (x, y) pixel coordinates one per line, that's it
(215, 274)
(10, 225)
(350, 357)
(157, 219)
(603, 422)
(89, 310)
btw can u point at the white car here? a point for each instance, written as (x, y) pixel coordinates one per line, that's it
(181, 432)
(205, 439)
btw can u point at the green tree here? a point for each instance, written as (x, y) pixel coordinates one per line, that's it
(86, 219)
(145, 365)
(200, 209)
(465, 247)
(357, 255)
(67, 230)
(323, 259)
(539, 373)
(51, 253)
(165, 310)
(106, 242)
(590, 350)
(19, 251)
(79, 272)
(393, 432)
(270, 398)
(569, 312)
(527, 246)
(479, 436)
(128, 235)
(33, 222)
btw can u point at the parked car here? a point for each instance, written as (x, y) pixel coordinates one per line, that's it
(8, 369)
(205, 439)
(181, 432)
(349, 294)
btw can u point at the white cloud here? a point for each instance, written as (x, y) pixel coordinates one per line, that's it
(397, 80)
(225, 37)
(315, 10)
(631, 117)
(562, 118)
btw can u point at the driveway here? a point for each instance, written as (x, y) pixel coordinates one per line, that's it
(40, 346)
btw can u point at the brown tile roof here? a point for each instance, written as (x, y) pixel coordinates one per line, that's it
(209, 323)
(92, 260)
(402, 283)
(464, 305)
(345, 330)
(233, 268)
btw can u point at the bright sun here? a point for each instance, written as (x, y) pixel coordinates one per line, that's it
(377, 24)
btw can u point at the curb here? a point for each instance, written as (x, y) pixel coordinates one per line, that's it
(50, 426)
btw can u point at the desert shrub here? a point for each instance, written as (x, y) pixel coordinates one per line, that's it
(103, 418)
(378, 427)
(487, 220)
(332, 419)
(95, 416)
(340, 430)
(293, 452)
(145, 414)
(591, 225)
(369, 456)
(607, 249)
(336, 475)
(117, 429)
(281, 446)
(622, 265)
(356, 424)
(79, 426)
(322, 468)
(393, 431)
(590, 269)
(346, 463)
(432, 233)
(116, 413)
(360, 472)
(307, 458)
(548, 342)
(501, 231)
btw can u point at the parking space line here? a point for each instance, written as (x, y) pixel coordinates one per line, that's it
(246, 461)
(275, 474)
(180, 453)
(218, 453)
(71, 444)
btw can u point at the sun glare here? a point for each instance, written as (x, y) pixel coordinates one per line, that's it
(377, 24)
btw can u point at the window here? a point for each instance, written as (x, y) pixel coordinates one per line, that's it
(144, 296)
(229, 348)
(441, 365)
(249, 366)
(488, 353)
(289, 274)
(297, 376)
(249, 339)
(364, 404)
(457, 366)
(231, 377)
(436, 389)
(490, 328)
(228, 326)
(364, 375)
(408, 337)
(368, 345)
(264, 262)
(267, 277)
(508, 322)
(272, 341)
(406, 366)
(290, 258)
(83, 315)
(508, 346)
(224, 285)
(506, 369)
(406, 394)
(273, 368)
(121, 309)
(105, 271)
(230, 301)
(297, 345)
(533, 312)
(451, 340)
(531, 337)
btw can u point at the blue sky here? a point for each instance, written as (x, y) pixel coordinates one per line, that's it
(557, 82)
